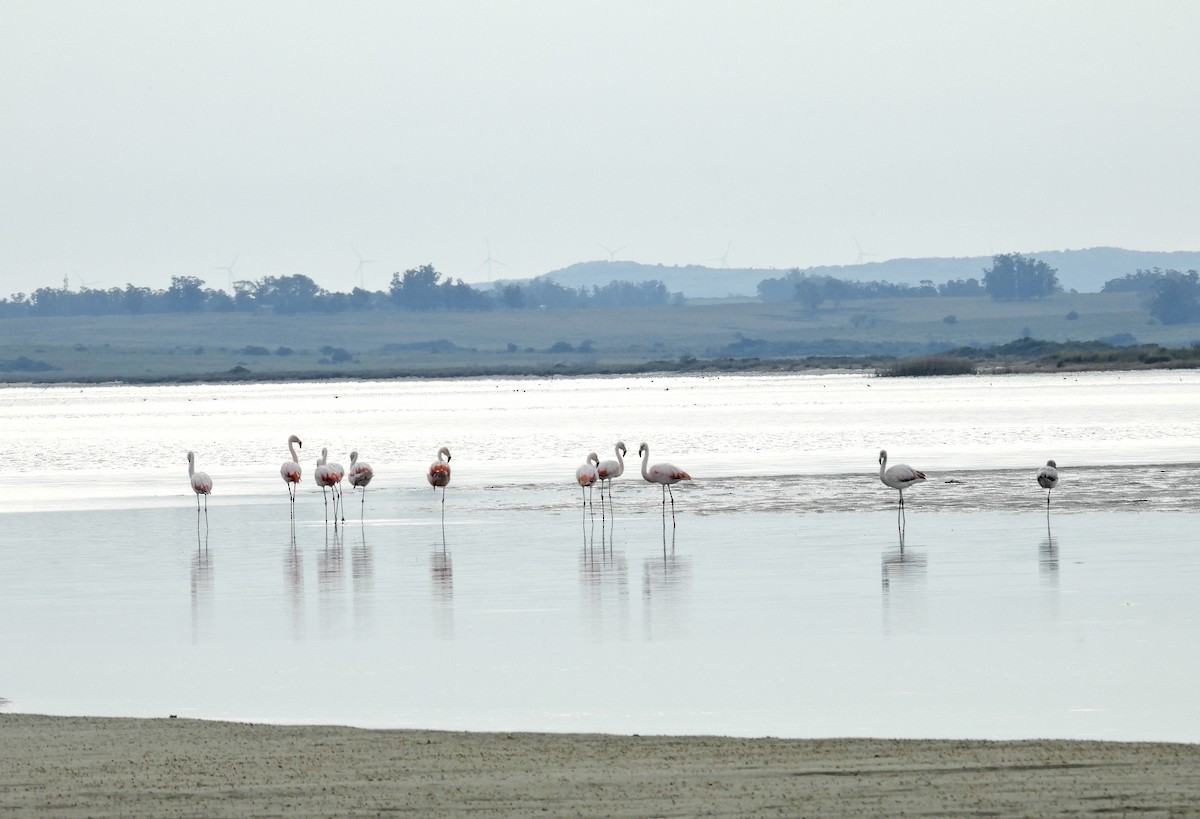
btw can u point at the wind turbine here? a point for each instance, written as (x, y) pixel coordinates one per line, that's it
(724, 256)
(489, 261)
(861, 259)
(361, 269)
(229, 269)
(611, 253)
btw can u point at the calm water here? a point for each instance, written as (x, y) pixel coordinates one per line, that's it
(780, 604)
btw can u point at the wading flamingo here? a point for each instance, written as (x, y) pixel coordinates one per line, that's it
(586, 476)
(439, 474)
(665, 474)
(338, 472)
(607, 470)
(898, 476)
(327, 477)
(1047, 478)
(290, 470)
(360, 475)
(201, 483)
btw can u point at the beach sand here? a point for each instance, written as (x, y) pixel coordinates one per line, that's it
(68, 767)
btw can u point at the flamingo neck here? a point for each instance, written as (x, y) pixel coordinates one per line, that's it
(191, 468)
(292, 450)
(645, 462)
(882, 467)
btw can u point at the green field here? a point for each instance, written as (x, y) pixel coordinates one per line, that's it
(232, 345)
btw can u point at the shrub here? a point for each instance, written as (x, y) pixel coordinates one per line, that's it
(950, 319)
(1072, 315)
(929, 365)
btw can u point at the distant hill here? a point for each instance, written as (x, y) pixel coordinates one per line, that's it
(1083, 270)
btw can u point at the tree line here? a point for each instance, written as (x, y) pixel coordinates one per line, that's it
(1171, 297)
(417, 289)
(1012, 276)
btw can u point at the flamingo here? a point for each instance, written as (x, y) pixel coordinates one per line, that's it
(201, 483)
(665, 474)
(327, 476)
(898, 476)
(290, 470)
(360, 475)
(607, 470)
(337, 472)
(587, 475)
(439, 473)
(1047, 478)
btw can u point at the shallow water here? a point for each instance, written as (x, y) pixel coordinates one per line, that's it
(782, 602)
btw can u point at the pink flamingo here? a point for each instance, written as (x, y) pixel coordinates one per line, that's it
(607, 470)
(899, 477)
(360, 475)
(665, 474)
(327, 476)
(587, 475)
(290, 470)
(439, 474)
(201, 484)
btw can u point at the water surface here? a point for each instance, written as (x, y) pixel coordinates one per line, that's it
(781, 603)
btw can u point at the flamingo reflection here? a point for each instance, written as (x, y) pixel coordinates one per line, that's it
(904, 577)
(362, 578)
(604, 580)
(441, 572)
(665, 585)
(331, 579)
(1048, 555)
(293, 571)
(202, 581)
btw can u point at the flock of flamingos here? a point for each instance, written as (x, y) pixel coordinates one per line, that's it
(329, 476)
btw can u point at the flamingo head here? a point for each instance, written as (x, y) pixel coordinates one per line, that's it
(643, 449)
(191, 457)
(593, 458)
(621, 446)
(1051, 464)
(882, 455)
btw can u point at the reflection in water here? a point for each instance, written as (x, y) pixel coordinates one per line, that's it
(665, 584)
(293, 569)
(905, 578)
(1048, 557)
(362, 571)
(331, 582)
(441, 571)
(1048, 571)
(202, 583)
(604, 576)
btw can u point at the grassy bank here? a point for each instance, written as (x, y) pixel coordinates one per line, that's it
(728, 336)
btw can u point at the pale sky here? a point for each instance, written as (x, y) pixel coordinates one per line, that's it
(142, 140)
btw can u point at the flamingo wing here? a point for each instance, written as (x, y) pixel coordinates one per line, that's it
(667, 473)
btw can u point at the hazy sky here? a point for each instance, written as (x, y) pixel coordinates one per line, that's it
(142, 140)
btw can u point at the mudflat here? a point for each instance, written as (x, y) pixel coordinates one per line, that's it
(82, 766)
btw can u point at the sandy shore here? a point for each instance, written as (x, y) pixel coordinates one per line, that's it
(60, 766)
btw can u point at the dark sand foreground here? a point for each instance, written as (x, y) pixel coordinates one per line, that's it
(60, 766)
